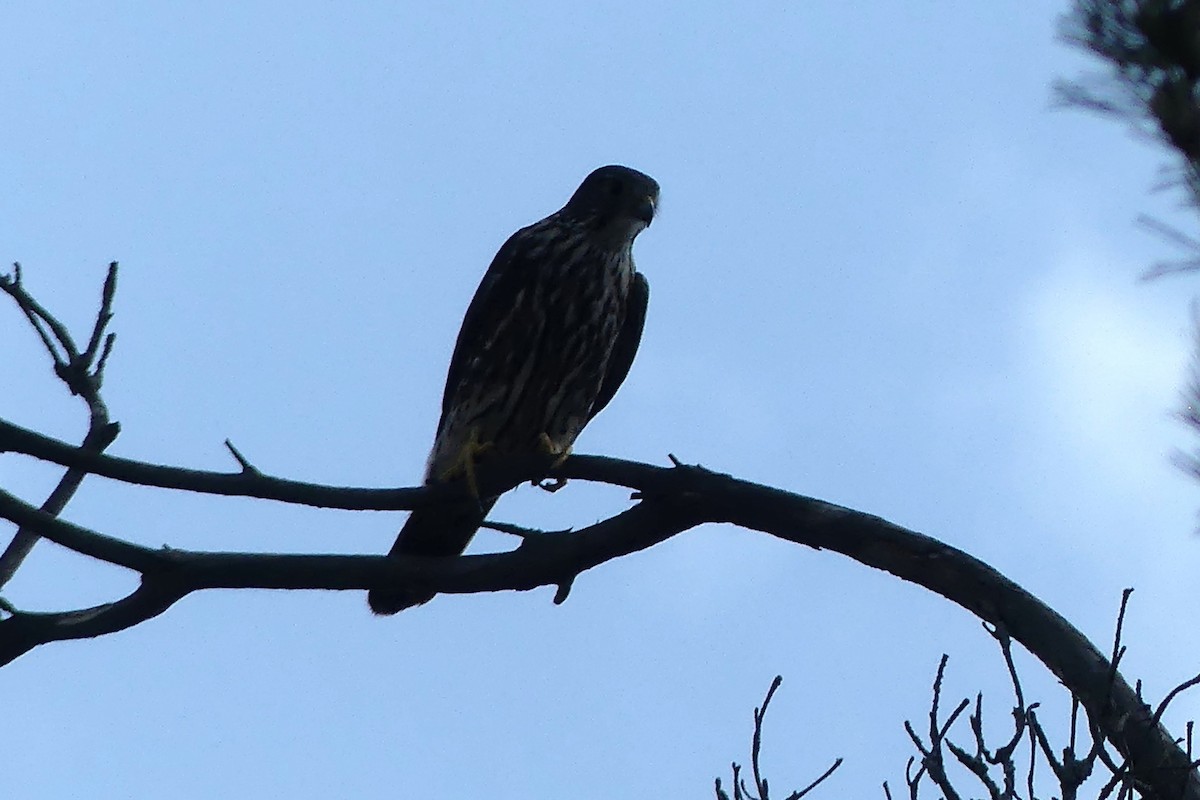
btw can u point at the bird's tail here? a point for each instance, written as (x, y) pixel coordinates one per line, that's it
(436, 532)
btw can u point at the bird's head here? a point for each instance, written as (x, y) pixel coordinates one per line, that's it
(614, 200)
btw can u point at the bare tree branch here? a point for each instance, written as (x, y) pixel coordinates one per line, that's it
(932, 760)
(169, 574)
(1162, 707)
(688, 496)
(761, 785)
(1070, 770)
(245, 482)
(670, 500)
(83, 375)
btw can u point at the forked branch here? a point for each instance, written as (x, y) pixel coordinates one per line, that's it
(762, 788)
(670, 500)
(83, 374)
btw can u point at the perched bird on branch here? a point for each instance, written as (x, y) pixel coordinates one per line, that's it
(546, 342)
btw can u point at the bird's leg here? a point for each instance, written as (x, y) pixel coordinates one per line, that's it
(464, 462)
(547, 446)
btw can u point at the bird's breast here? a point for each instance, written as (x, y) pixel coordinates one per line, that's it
(541, 366)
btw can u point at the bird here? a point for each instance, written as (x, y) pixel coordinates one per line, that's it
(547, 340)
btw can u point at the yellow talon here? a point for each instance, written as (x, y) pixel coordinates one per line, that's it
(464, 464)
(547, 446)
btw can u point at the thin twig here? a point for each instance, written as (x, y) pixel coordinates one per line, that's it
(756, 742)
(521, 531)
(1118, 649)
(73, 369)
(761, 785)
(104, 316)
(243, 462)
(824, 775)
(1162, 707)
(932, 760)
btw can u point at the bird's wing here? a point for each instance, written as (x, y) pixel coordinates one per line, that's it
(626, 346)
(498, 293)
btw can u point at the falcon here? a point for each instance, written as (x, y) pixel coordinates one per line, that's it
(546, 342)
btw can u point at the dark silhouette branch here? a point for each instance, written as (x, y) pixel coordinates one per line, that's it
(83, 373)
(683, 497)
(1183, 687)
(1070, 770)
(243, 483)
(23, 631)
(169, 574)
(933, 761)
(670, 500)
(740, 790)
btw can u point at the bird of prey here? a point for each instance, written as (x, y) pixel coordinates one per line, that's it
(546, 342)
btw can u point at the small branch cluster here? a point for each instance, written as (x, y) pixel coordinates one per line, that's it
(1008, 772)
(761, 789)
(83, 373)
(666, 502)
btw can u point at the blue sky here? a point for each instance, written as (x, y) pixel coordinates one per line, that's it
(886, 273)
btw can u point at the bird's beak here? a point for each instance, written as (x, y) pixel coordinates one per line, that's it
(645, 210)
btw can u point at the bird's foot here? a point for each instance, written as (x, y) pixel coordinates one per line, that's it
(550, 485)
(464, 462)
(552, 448)
(560, 453)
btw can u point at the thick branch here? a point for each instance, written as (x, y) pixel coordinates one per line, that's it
(1114, 706)
(169, 575)
(24, 631)
(688, 496)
